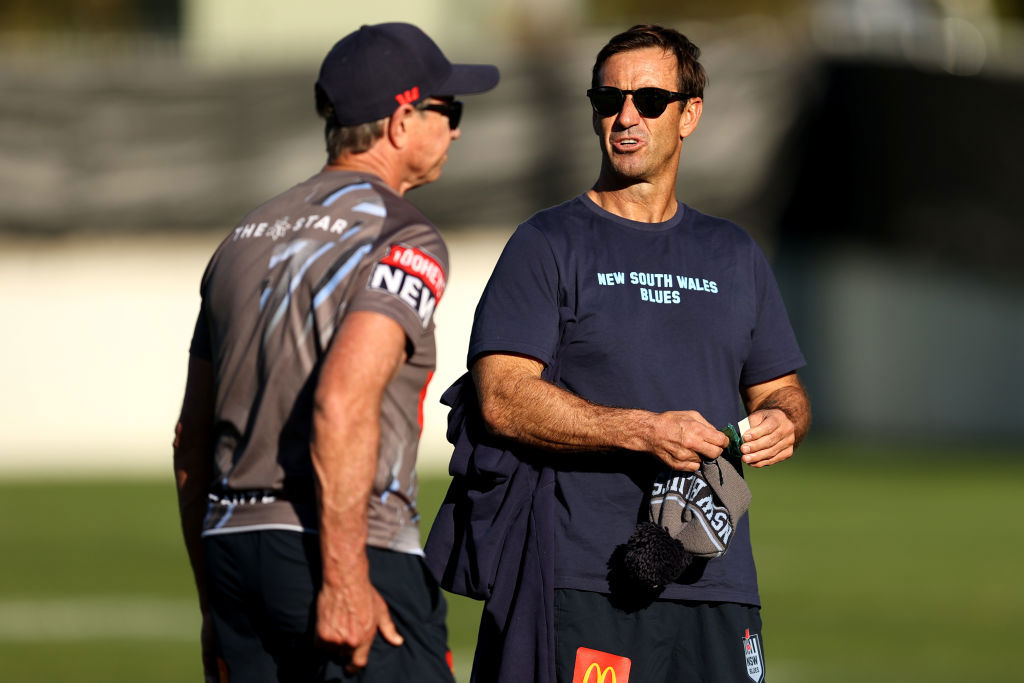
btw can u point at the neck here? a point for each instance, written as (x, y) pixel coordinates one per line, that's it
(642, 202)
(371, 162)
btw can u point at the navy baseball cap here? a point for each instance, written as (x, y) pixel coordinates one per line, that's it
(370, 72)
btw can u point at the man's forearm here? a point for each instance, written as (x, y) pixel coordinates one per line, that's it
(344, 453)
(517, 404)
(367, 353)
(537, 413)
(193, 462)
(192, 493)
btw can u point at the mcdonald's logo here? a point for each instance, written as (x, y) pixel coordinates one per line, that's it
(600, 675)
(595, 666)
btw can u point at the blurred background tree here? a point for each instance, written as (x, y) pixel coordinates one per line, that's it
(159, 16)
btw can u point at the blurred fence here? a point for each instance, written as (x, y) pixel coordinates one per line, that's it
(138, 141)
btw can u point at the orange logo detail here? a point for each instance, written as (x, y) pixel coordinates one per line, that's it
(408, 96)
(594, 666)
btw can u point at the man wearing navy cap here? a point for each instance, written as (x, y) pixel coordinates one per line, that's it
(296, 447)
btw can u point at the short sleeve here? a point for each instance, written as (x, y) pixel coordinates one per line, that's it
(406, 281)
(518, 311)
(774, 350)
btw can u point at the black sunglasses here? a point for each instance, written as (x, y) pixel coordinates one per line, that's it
(650, 102)
(453, 110)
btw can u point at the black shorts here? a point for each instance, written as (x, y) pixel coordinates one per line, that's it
(262, 591)
(668, 640)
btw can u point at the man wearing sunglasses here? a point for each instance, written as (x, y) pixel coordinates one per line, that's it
(296, 448)
(619, 332)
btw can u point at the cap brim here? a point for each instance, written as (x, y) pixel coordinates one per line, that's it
(466, 79)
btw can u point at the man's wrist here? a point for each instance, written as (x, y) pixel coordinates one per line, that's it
(791, 402)
(635, 430)
(337, 575)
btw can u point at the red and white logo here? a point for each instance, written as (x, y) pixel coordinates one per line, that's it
(752, 653)
(412, 275)
(594, 666)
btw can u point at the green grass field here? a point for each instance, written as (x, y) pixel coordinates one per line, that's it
(874, 565)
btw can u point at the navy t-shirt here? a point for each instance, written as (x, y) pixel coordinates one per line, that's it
(659, 316)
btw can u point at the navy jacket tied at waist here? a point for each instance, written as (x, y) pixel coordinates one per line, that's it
(493, 540)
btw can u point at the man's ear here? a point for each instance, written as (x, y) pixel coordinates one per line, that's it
(691, 116)
(398, 125)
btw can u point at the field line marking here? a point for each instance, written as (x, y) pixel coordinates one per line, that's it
(98, 618)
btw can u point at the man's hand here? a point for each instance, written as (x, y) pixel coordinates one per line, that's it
(349, 617)
(780, 415)
(681, 438)
(770, 439)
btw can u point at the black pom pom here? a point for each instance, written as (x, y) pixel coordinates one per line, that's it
(653, 558)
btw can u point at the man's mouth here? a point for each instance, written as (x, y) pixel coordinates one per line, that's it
(626, 144)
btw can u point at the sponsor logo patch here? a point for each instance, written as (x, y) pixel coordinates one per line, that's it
(408, 96)
(594, 666)
(412, 275)
(752, 653)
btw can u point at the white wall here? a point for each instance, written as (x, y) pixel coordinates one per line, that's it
(242, 33)
(95, 346)
(258, 32)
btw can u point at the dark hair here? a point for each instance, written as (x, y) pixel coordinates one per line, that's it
(692, 78)
(343, 140)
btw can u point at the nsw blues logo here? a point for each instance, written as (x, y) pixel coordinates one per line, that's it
(752, 654)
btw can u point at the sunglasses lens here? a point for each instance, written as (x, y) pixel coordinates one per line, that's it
(454, 114)
(606, 101)
(651, 102)
(452, 110)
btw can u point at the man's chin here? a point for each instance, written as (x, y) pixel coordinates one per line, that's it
(427, 179)
(629, 173)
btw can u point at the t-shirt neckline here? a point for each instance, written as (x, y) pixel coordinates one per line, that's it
(671, 223)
